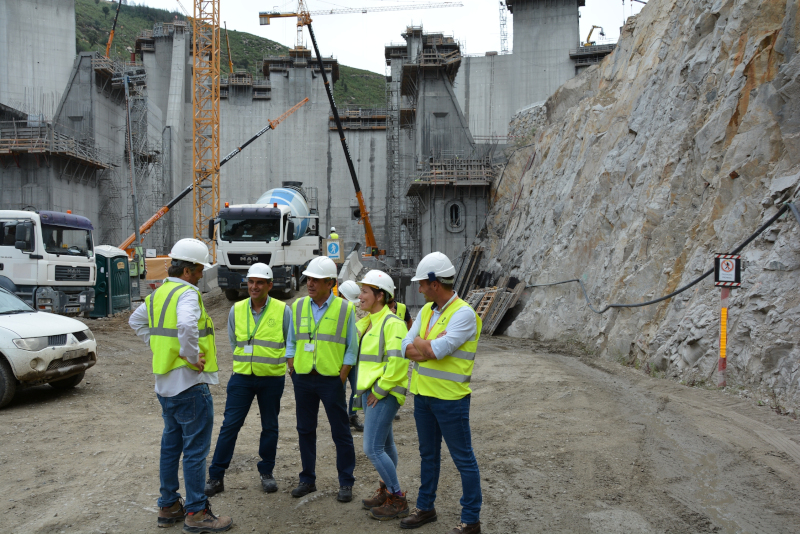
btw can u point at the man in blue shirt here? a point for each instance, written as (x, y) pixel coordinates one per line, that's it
(315, 379)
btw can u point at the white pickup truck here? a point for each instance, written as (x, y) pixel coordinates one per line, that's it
(46, 259)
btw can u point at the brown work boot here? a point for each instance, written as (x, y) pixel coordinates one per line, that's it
(395, 506)
(205, 521)
(169, 515)
(417, 518)
(378, 499)
(463, 528)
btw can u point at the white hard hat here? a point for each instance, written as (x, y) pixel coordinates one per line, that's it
(333, 229)
(349, 290)
(379, 279)
(192, 250)
(259, 270)
(321, 267)
(435, 265)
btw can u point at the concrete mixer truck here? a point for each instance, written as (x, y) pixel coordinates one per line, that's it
(279, 229)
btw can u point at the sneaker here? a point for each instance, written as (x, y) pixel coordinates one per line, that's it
(345, 494)
(169, 515)
(205, 521)
(417, 518)
(397, 417)
(358, 427)
(378, 499)
(395, 506)
(214, 486)
(463, 528)
(268, 483)
(303, 489)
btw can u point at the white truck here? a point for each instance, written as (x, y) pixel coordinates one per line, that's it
(47, 260)
(279, 229)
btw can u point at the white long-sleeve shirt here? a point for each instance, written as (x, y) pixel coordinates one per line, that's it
(462, 327)
(182, 378)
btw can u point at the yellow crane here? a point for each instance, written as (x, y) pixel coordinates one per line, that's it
(228, 42)
(589, 41)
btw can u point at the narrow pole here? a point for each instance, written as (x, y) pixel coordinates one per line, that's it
(723, 337)
(131, 163)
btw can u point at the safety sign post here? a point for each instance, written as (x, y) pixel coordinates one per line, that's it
(727, 275)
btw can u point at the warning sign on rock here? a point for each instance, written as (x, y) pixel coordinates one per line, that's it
(728, 270)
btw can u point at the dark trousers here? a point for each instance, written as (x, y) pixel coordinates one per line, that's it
(353, 379)
(241, 391)
(309, 391)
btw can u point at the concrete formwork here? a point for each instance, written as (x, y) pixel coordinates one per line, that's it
(37, 39)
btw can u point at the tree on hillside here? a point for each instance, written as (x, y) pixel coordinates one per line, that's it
(96, 2)
(92, 37)
(105, 11)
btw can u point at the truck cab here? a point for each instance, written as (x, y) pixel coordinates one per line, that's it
(46, 259)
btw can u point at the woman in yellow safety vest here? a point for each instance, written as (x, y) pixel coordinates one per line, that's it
(382, 385)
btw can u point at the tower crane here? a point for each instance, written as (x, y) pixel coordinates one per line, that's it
(304, 17)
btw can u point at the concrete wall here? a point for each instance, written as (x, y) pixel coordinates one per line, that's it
(492, 88)
(37, 40)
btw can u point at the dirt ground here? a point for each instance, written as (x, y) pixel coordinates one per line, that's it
(565, 443)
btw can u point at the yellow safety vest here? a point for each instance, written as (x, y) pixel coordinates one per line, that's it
(449, 377)
(162, 313)
(267, 347)
(328, 338)
(381, 365)
(401, 311)
(362, 325)
(333, 236)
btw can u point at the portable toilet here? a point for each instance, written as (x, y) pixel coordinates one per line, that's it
(112, 291)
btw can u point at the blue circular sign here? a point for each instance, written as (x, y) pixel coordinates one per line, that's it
(333, 248)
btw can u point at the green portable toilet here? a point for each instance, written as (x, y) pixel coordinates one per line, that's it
(112, 291)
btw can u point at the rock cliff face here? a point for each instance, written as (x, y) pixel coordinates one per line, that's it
(677, 146)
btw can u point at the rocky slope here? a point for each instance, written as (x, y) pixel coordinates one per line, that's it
(677, 146)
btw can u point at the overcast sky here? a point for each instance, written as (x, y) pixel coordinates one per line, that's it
(357, 40)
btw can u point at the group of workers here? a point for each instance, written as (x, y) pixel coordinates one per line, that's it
(317, 340)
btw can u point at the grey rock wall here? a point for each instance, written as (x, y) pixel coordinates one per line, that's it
(677, 146)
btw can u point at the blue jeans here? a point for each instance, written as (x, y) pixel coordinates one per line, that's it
(241, 391)
(309, 391)
(353, 379)
(448, 419)
(379, 440)
(188, 422)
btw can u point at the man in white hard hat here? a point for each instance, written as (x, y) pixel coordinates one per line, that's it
(257, 330)
(442, 343)
(321, 349)
(174, 323)
(350, 290)
(333, 235)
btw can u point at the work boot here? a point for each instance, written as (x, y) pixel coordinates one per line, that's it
(417, 518)
(169, 515)
(463, 528)
(378, 499)
(268, 483)
(303, 489)
(358, 427)
(395, 506)
(205, 521)
(345, 494)
(214, 486)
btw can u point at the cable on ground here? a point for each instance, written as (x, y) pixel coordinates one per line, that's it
(784, 209)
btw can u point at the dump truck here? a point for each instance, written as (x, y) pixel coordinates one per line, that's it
(46, 259)
(279, 229)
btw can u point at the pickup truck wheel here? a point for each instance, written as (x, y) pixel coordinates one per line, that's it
(68, 383)
(8, 383)
(232, 295)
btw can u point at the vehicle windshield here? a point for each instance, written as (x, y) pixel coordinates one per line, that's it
(12, 304)
(69, 241)
(250, 229)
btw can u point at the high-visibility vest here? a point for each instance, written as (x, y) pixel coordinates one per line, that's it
(449, 377)
(333, 235)
(162, 313)
(362, 325)
(268, 356)
(382, 368)
(329, 338)
(401, 311)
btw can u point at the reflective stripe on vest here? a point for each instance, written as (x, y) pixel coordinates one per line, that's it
(373, 360)
(449, 377)
(268, 356)
(164, 343)
(329, 341)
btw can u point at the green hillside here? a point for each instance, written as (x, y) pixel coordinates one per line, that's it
(93, 20)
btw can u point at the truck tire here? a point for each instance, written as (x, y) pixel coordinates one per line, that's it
(68, 383)
(289, 292)
(8, 383)
(232, 295)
